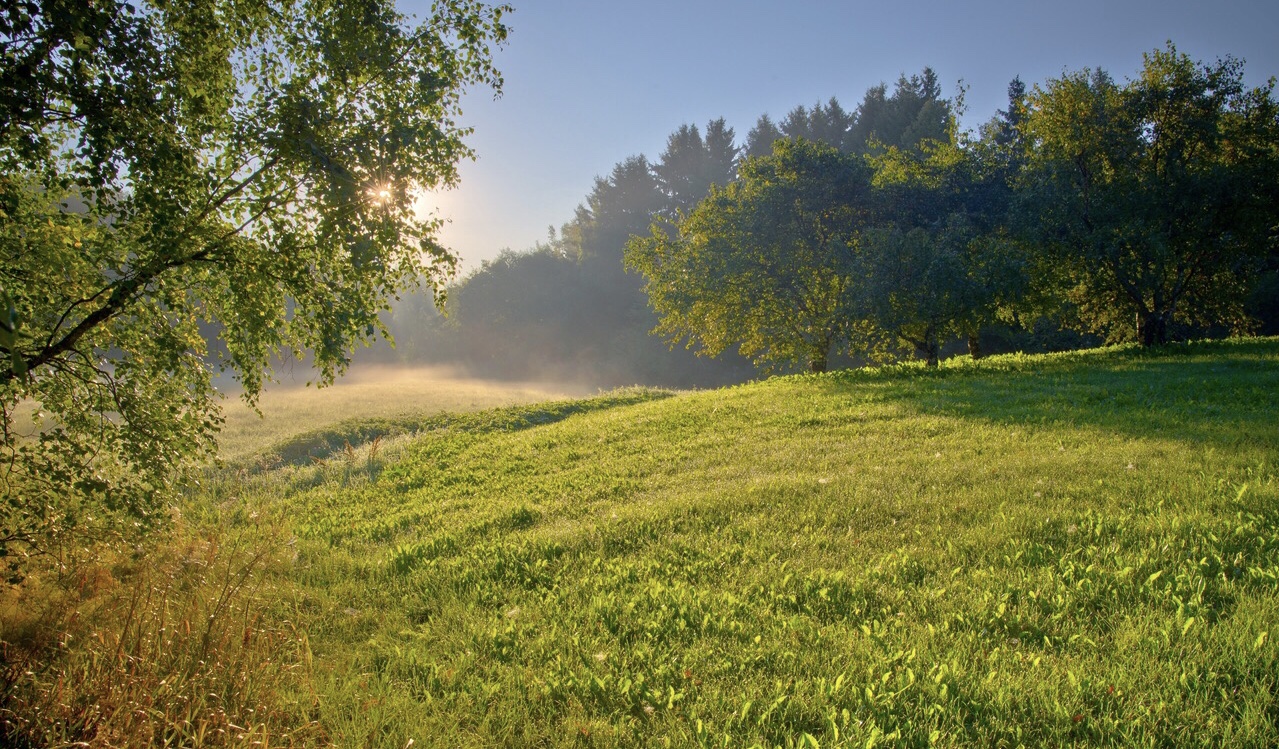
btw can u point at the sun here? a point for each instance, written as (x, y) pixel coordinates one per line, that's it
(381, 194)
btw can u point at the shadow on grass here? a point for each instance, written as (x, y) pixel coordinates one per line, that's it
(1221, 394)
(353, 433)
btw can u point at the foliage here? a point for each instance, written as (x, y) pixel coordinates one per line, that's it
(1153, 201)
(565, 310)
(763, 263)
(250, 163)
(620, 206)
(914, 114)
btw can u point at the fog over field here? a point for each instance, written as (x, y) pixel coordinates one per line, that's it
(366, 391)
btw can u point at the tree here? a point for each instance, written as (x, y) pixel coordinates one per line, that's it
(523, 312)
(826, 123)
(250, 162)
(763, 263)
(938, 262)
(690, 165)
(619, 207)
(760, 139)
(829, 124)
(1154, 200)
(914, 114)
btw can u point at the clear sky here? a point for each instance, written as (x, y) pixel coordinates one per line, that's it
(591, 82)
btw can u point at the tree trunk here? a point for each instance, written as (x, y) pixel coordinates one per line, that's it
(1152, 328)
(819, 356)
(927, 348)
(974, 346)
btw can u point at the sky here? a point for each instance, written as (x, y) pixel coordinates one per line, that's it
(589, 83)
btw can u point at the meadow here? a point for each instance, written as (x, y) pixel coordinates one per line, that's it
(1072, 549)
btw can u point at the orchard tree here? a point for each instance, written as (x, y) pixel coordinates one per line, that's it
(162, 165)
(763, 263)
(1154, 201)
(939, 262)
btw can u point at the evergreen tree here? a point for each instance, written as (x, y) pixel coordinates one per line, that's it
(690, 165)
(914, 114)
(759, 141)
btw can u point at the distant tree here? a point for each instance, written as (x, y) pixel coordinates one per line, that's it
(914, 114)
(829, 124)
(620, 206)
(566, 308)
(722, 153)
(690, 165)
(763, 263)
(1007, 123)
(164, 164)
(1153, 201)
(760, 139)
(522, 313)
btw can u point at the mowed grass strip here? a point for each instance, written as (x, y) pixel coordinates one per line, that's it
(1070, 549)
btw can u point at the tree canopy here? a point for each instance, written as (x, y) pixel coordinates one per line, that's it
(938, 262)
(1118, 209)
(1154, 201)
(762, 263)
(250, 162)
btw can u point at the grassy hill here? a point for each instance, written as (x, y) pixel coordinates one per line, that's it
(1070, 549)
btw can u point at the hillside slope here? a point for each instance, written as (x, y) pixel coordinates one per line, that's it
(1079, 548)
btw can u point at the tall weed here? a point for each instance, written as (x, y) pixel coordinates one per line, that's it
(173, 647)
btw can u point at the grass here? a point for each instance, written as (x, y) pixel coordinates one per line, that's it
(1077, 549)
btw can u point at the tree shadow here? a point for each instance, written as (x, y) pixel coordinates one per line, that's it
(1221, 394)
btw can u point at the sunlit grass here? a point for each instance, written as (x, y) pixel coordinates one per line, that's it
(1031, 550)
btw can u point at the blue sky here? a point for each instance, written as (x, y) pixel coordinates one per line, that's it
(590, 82)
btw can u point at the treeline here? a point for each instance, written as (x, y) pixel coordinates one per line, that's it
(1086, 211)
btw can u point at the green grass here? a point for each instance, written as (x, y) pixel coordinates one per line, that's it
(1078, 549)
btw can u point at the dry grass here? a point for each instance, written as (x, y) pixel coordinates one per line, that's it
(183, 646)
